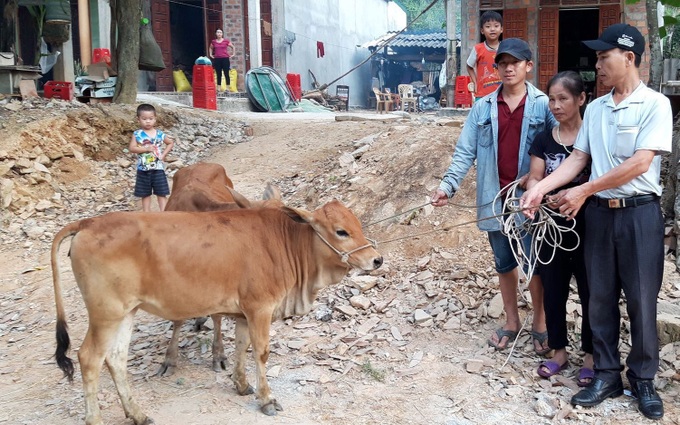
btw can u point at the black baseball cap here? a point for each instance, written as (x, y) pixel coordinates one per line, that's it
(622, 36)
(515, 47)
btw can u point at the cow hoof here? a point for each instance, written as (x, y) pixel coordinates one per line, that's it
(165, 370)
(249, 390)
(271, 408)
(219, 365)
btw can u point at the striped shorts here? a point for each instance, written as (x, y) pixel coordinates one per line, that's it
(151, 182)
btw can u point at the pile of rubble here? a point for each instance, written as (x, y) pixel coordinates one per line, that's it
(62, 160)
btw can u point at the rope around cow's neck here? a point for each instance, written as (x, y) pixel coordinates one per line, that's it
(344, 256)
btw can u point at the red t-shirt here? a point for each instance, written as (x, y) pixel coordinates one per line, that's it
(488, 79)
(509, 132)
(220, 49)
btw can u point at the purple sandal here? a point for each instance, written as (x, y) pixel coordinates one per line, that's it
(585, 377)
(553, 368)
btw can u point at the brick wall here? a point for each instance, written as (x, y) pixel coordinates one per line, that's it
(234, 30)
(635, 14)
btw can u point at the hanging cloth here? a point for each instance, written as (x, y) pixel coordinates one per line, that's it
(319, 49)
(267, 28)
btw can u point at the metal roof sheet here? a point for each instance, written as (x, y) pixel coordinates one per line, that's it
(423, 39)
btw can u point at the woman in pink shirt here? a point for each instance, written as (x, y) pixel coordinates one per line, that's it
(219, 53)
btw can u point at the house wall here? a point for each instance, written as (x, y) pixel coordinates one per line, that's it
(634, 14)
(341, 25)
(234, 30)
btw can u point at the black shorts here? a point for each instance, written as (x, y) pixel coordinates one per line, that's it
(151, 182)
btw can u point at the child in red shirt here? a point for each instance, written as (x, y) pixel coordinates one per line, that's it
(481, 63)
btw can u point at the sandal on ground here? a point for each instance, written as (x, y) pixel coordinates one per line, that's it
(549, 368)
(585, 376)
(503, 333)
(541, 338)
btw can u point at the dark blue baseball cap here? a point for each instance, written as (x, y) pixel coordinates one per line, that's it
(515, 47)
(622, 36)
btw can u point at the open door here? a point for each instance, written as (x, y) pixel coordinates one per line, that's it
(267, 41)
(609, 14)
(213, 21)
(548, 42)
(160, 23)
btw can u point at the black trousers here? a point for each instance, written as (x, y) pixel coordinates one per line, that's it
(221, 64)
(624, 251)
(556, 277)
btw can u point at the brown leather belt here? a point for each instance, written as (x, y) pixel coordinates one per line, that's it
(633, 201)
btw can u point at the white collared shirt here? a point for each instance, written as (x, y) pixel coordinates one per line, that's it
(611, 134)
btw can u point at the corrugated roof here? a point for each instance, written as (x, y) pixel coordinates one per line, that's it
(423, 39)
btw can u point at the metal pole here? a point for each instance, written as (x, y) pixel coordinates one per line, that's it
(450, 50)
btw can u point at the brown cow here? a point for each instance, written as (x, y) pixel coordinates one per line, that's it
(204, 187)
(257, 265)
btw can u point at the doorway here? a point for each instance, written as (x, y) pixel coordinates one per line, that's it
(577, 25)
(188, 34)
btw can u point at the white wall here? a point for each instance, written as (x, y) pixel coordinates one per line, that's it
(341, 25)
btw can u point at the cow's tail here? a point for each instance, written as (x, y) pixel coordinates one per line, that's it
(63, 340)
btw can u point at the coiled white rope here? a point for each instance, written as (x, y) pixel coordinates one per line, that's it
(543, 230)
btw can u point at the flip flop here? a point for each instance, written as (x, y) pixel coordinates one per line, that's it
(553, 368)
(583, 374)
(501, 333)
(541, 338)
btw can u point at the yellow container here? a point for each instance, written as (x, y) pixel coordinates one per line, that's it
(180, 80)
(233, 75)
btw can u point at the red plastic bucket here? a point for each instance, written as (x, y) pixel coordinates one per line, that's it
(295, 86)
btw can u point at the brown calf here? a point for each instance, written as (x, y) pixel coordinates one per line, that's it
(256, 265)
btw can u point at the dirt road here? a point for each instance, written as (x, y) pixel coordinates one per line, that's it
(378, 365)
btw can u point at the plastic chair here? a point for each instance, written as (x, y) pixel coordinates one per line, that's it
(343, 93)
(383, 101)
(408, 100)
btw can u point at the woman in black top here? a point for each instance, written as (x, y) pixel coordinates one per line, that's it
(550, 148)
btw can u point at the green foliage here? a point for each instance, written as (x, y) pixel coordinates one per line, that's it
(432, 20)
(670, 32)
(368, 369)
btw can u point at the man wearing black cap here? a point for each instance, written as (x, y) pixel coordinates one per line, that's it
(624, 132)
(498, 133)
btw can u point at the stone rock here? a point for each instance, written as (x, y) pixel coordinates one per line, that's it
(360, 301)
(42, 205)
(6, 186)
(78, 155)
(124, 163)
(495, 308)
(474, 366)
(452, 323)
(347, 309)
(6, 167)
(420, 316)
(364, 283)
(41, 168)
(23, 163)
(346, 159)
(32, 230)
(668, 327)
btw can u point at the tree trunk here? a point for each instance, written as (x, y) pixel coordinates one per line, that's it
(655, 58)
(127, 13)
(8, 16)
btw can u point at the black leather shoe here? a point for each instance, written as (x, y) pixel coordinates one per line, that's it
(649, 402)
(597, 392)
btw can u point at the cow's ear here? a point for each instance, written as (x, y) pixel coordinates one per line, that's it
(298, 215)
(240, 200)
